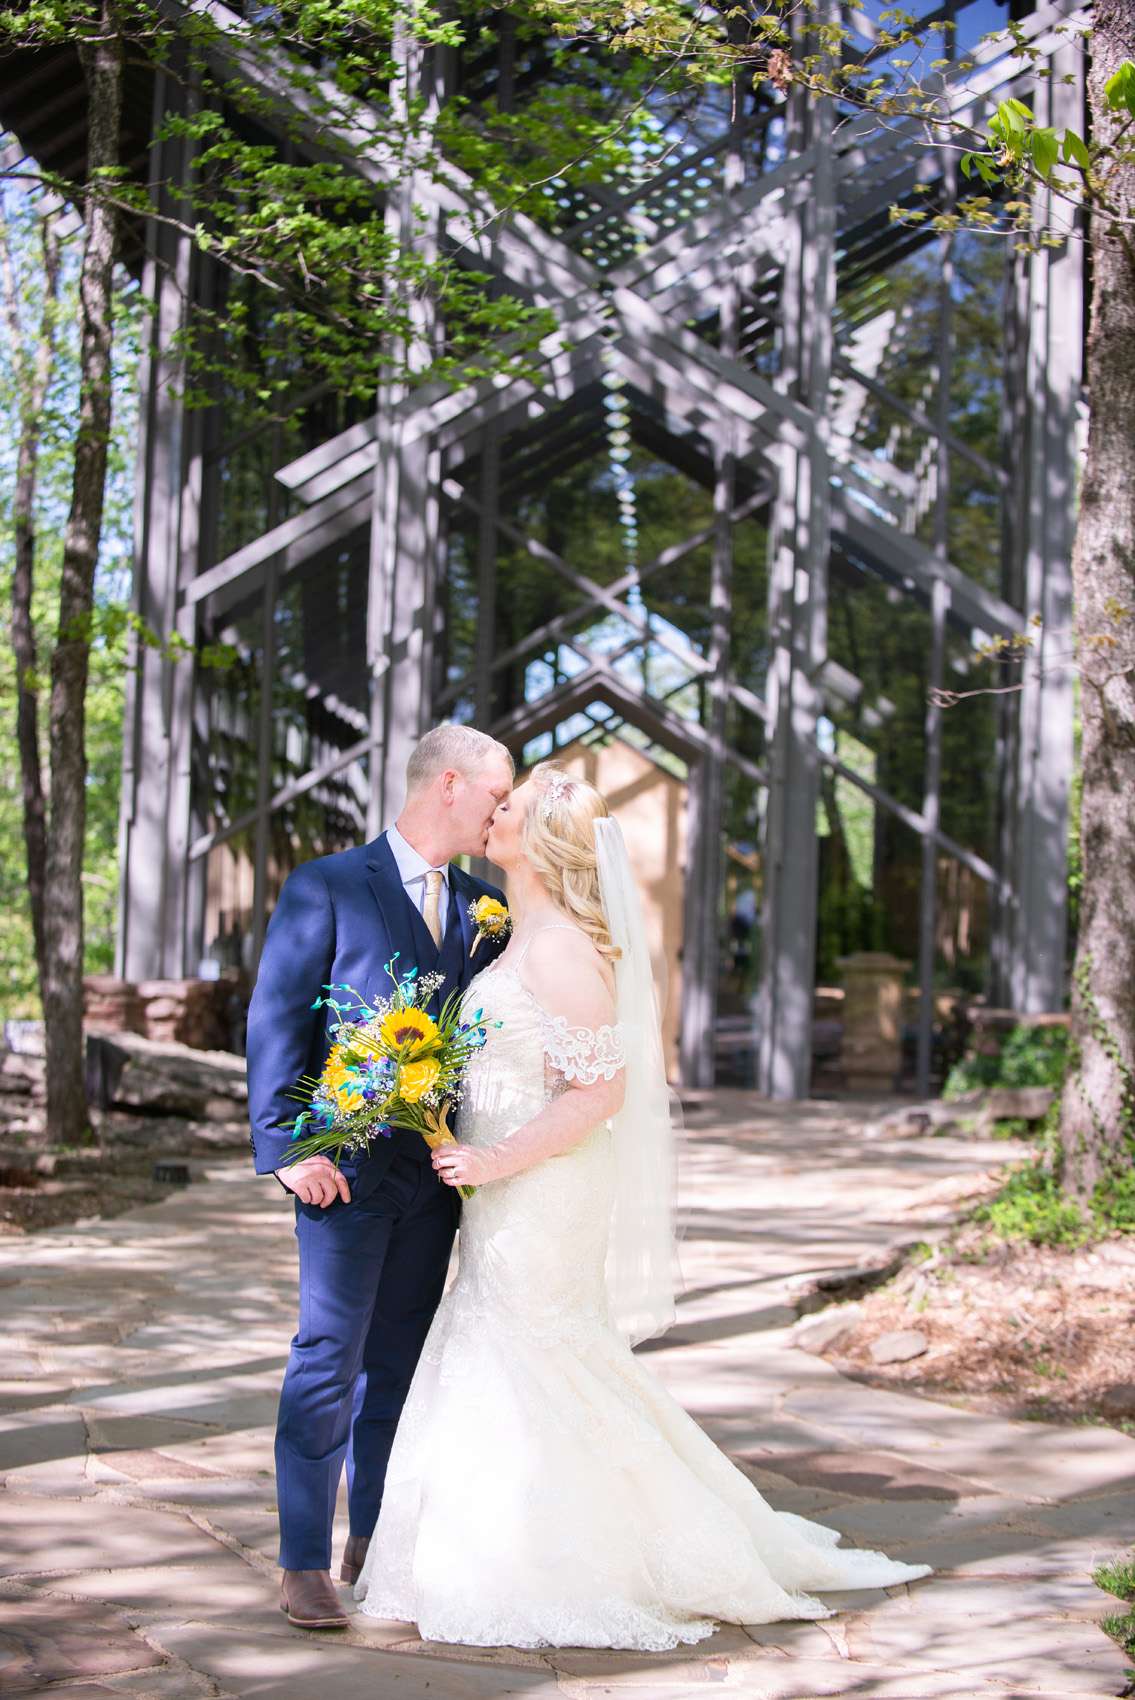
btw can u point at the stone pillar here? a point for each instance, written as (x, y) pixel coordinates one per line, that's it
(872, 1019)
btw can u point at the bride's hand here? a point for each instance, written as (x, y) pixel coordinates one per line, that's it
(465, 1165)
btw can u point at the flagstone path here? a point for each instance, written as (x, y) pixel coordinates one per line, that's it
(141, 1359)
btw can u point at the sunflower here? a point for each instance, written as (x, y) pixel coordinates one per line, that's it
(416, 1078)
(408, 1029)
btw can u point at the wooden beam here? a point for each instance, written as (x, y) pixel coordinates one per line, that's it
(799, 553)
(560, 629)
(297, 539)
(596, 592)
(911, 559)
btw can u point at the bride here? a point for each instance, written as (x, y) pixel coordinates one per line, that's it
(544, 1489)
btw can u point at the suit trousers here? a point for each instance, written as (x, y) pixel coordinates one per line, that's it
(371, 1276)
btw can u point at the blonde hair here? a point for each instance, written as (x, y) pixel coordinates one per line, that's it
(462, 748)
(559, 841)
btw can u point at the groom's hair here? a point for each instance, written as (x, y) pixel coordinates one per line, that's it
(447, 745)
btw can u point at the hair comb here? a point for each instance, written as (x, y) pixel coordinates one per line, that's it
(554, 788)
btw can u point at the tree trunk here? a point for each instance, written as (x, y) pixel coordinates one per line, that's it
(63, 983)
(35, 379)
(1098, 1111)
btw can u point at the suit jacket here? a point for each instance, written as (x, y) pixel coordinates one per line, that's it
(339, 921)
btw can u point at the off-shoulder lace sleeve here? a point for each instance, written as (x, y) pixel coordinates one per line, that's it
(582, 1055)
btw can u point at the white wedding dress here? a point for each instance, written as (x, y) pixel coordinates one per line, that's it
(544, 1489)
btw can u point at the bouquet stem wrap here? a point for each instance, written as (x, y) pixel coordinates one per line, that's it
(440, 1134)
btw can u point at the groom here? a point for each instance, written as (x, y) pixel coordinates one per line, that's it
(375, 1233)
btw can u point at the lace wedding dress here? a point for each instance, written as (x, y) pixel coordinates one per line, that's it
(544, 1489)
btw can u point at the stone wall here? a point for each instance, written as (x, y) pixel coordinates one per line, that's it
(207, 1015)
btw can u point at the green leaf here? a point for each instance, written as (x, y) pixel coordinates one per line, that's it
(1013, 115)
(983, 164)
(1120, 88)
(1075, 150)
(1045, 150)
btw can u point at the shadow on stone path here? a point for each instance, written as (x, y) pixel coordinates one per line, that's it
(141, 1364)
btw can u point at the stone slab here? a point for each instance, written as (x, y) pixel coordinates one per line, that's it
(900, 1521)
(107, 1433)
(250, 1667)
(31, 1394)
(44, 1642)
(220, 1584)
(144, 1361)
(869, 1475)
(1033, 1655)
(48, 1436)
(1030, 1461)
(145, 1466)
(684, 1670)
(39, 1535)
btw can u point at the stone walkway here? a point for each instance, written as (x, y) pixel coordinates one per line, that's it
(142, 1358)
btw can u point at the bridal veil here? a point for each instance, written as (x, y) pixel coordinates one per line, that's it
(642, 1258)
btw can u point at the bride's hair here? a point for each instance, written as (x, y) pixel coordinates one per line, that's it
(559, 841)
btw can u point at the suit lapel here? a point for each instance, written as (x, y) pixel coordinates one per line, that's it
(389, 893)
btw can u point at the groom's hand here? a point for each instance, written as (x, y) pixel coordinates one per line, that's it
(316, 1181)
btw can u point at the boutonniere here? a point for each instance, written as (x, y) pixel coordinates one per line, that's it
(491, 920)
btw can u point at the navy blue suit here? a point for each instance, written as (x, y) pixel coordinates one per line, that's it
(371, 1271)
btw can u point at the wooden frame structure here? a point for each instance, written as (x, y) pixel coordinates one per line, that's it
(663, 291)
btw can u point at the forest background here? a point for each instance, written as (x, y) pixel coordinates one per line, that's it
(22, 286)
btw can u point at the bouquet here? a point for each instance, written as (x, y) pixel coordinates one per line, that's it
(391, 1065)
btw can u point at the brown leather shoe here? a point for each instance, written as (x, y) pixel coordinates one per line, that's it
(354, 1557)
(310, 1600)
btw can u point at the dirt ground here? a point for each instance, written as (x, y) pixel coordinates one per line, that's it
(1015, 1329)
(57, 1203)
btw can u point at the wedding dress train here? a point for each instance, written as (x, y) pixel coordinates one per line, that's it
(544, 1489)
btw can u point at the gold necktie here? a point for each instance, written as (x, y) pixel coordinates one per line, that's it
(431, 914)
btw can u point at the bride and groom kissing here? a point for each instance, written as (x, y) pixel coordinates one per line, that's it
(515, 1475)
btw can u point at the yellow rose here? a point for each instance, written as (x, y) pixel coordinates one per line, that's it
(489, 914)
(416, 1078)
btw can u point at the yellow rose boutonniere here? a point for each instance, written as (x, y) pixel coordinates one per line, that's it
(491, 919)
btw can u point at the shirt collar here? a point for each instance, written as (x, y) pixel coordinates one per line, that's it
(412, 865)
